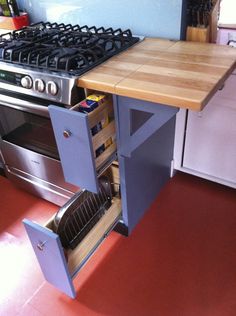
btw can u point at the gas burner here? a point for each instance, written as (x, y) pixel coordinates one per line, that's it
(63, 48)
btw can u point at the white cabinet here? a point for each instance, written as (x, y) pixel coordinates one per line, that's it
(205, 142)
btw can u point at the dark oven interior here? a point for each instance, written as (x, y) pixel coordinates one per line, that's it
(30, 131)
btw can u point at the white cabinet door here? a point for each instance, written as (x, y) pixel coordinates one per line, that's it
(210, 144)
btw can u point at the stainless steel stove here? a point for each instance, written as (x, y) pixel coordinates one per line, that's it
(45, 60)
(40, 65)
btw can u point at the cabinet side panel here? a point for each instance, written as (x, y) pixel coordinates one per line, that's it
(145, 173)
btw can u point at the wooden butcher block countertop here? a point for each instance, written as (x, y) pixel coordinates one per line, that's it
(176, 73)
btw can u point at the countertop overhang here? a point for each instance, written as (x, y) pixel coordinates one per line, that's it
(176, 73)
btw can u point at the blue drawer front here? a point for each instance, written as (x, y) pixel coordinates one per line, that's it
(76, 151)
(49, 252)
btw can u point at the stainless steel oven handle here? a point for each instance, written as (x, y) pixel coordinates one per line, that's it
(23, 105)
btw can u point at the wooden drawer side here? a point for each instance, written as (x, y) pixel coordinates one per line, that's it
(78, 256)
(107, 135)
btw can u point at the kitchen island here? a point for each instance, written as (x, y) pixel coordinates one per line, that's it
(176, 73)
(156, 76)
(149, 83)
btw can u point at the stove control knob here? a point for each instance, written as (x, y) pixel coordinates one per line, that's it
(52, 88)
(27, 82)
(39, 85)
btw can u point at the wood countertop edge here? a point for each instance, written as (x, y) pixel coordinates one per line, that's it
(98, 86)
(160, 99)
(218, 85)
(184, 103)
(147, 95)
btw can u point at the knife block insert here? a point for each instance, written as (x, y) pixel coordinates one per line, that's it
(197, 34)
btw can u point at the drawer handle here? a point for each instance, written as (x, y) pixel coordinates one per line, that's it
(66, 134)
(41, 245)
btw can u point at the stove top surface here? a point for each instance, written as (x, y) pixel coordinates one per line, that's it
(67, 49)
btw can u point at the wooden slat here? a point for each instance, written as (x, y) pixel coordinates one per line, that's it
(105, 155)
(110, 73)
(116, 163)
(205, 49)
(79, 254)
(165, 94)
(182, 74)
(101, 137)
(184, 57)
(101, 112)
(106, 76)
(204, 69)
(115, 174)
(175, 78)
(104, 110)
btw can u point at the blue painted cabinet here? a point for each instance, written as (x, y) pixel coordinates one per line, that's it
(145, 139)
(78, 148)
(50, 255)
(59, 266)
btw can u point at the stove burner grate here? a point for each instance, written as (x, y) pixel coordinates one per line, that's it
(63, 48)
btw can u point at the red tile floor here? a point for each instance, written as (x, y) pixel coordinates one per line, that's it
(179, 261)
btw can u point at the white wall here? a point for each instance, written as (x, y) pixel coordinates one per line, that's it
(227, 12)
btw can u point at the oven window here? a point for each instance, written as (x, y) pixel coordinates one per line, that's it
(28, 130)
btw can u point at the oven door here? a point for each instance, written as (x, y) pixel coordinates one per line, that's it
(29, 149)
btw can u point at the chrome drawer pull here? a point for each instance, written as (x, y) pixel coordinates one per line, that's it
(66, 134)
(41, 245)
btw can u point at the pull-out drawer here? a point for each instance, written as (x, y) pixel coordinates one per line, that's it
(77, 146)
(59, 265)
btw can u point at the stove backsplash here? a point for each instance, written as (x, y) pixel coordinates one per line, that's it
(155, 18)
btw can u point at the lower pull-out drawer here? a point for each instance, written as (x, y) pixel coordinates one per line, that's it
(60, 265)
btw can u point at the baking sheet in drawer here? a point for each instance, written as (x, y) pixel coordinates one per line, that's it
(60, 266)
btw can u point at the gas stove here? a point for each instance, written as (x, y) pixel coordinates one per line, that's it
(46, 59)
